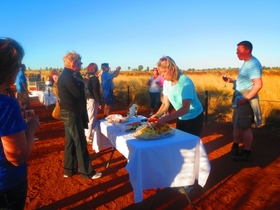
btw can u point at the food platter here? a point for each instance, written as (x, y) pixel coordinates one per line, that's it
(132, 126)
(147, 133)
(116, 118)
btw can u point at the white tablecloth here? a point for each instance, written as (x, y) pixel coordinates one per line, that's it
(44, 97)
(173, 161)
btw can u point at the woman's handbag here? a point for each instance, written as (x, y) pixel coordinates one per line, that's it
(56, 111)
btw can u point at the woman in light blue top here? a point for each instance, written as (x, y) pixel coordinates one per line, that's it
(179, 90)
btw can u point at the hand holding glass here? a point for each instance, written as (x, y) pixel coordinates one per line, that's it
(29, 113)
(225, 78)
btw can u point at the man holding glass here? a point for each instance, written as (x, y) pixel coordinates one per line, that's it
(246, 101)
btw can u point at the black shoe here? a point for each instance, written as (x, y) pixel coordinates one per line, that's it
(242, 157)
(235, 150)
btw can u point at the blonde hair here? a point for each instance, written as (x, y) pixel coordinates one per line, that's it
(70, 58)
(167, 62)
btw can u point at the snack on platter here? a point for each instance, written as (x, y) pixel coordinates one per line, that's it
(116, 118)
(148, 133)
(132, 126)
(152, 122)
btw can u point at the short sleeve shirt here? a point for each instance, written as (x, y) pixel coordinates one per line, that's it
(11, 122)
(251, 69)
(19, 80)
(184, 89)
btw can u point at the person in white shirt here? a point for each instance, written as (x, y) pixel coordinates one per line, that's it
(155, 84)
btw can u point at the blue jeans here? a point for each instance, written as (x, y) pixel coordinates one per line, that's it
(75, 151)
(14, 198)
(155, 100)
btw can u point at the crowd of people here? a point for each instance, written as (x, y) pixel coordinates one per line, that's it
(80, 98)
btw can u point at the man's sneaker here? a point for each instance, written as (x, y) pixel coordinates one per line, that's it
(235, 150)
(242, 157)
(96, 175)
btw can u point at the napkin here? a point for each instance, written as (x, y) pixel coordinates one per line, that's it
(132, 110)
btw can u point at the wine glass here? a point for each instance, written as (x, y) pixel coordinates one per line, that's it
(29, 113)
(128, 116)
(135, 113)
(225, 78)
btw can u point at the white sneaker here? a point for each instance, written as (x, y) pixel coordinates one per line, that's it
(96, 175)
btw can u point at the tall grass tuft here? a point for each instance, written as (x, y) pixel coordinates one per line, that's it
(220, 94)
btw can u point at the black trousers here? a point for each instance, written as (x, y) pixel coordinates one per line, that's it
(14, 198)
(75, 151)
(192, 126)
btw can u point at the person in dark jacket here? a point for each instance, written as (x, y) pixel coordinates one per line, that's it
(93, 99)
(71, 90)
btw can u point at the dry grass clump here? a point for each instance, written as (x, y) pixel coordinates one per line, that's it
(131, 87)
(219, 93)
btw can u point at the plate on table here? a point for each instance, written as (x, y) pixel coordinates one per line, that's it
(147, 133)
(116, 118)
(132, 126)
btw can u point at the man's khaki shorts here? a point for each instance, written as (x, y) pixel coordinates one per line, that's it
(243, 116)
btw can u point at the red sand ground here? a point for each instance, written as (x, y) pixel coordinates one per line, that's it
(248, 185)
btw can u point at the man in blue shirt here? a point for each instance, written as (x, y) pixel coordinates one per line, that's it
(108, 86)
(22, 91)
(246, 101)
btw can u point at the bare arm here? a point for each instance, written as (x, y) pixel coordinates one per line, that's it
(117, 72)
(25, 88)
(183, 110)
(17, 147)
(163, 108)
(257, 86)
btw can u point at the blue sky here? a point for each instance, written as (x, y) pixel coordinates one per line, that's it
(197, 34)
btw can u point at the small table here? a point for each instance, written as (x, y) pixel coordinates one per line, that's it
(173, 161)
(45, 97)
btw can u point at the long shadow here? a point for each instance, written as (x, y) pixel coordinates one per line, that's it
(224, 168)
(100, 190)
(223, 171)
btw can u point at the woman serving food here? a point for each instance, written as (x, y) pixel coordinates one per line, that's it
(179, 90)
